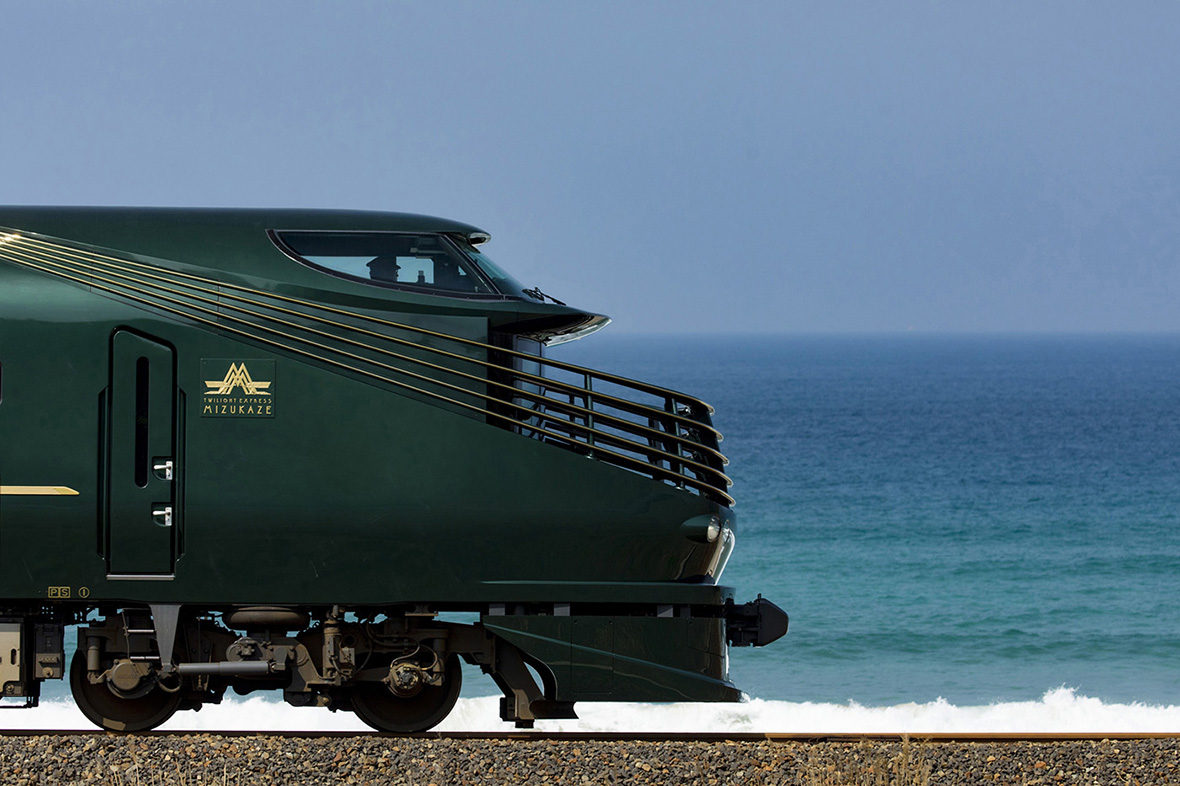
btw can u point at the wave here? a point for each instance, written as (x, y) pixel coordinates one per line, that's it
(1060, 710)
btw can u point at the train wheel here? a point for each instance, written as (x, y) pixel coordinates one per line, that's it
(147, 709)
(382, 709)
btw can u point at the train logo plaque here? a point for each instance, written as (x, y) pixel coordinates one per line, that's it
(238, 388)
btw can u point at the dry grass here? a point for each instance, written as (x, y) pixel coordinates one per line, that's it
(869, 765)
(146, 774)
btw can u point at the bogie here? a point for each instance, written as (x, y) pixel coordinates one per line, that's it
(398, 674)
(126, 696)
(407, 701)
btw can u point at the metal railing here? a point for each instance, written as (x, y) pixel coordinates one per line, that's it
(657, 432)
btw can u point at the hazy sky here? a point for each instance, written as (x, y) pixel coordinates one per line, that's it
(779, 167)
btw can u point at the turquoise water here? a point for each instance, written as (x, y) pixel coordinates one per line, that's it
(981, 519)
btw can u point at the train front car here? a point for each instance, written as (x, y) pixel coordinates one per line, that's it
(268, 449)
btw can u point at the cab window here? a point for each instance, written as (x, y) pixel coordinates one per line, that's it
(425, 262)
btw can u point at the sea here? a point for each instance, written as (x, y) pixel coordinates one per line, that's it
(970, 533)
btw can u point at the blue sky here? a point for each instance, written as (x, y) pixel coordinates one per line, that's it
(769, 167)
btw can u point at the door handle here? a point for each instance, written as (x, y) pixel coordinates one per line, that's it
(164, 467)
(162, 516)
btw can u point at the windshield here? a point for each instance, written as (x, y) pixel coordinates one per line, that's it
(424, 262)
(504, 282)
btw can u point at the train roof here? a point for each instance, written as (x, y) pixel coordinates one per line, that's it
(237, 245)
(74, 220)
(233, 240)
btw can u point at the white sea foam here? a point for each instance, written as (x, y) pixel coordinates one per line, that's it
(1061, 710)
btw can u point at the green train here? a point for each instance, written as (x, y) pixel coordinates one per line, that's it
(279, 449)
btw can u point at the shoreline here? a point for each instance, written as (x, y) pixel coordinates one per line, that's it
(1061, 711)
(223, 760)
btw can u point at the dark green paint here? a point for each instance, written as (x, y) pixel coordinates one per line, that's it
(350, 490)
(596, 658)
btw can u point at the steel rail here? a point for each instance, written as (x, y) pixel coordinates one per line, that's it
(525, 735)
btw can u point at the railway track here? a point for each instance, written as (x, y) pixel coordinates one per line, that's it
(650, 737)
(235, 758)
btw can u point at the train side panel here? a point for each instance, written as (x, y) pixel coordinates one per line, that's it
(323, 486)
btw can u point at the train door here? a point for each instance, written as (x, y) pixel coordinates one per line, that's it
(142, 510)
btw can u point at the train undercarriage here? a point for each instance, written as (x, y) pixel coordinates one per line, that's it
(398, 670)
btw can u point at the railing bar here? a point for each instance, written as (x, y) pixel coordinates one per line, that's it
(617, 441)
(653, 390)
(640, 466)
(633, 407)
(621, 423)
(588, 382)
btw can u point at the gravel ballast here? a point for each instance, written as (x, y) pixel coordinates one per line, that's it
(374, 759)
